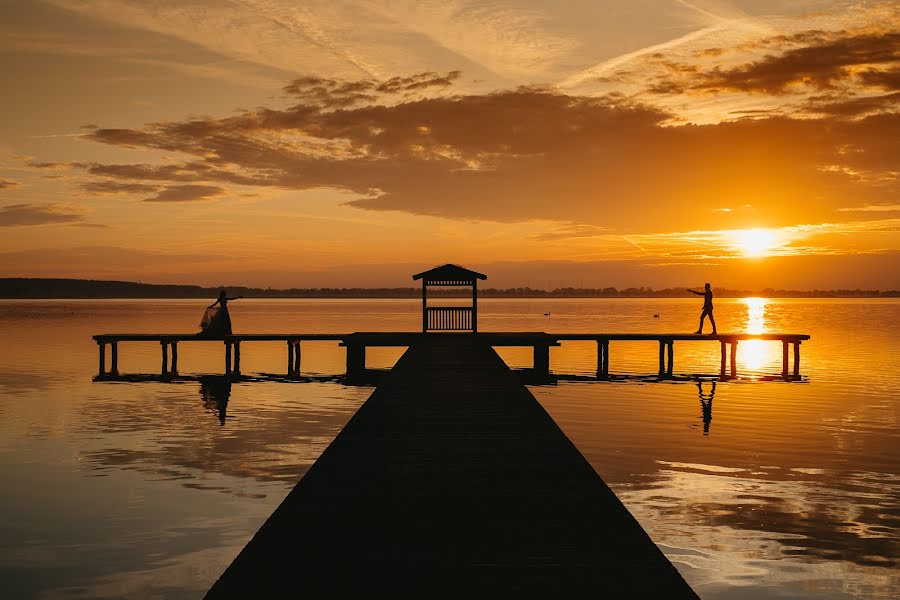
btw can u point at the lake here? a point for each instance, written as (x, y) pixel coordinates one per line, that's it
(752, 488)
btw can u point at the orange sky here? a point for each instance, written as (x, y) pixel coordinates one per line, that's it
(353, 143)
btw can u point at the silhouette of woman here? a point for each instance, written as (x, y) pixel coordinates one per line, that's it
(216, 320)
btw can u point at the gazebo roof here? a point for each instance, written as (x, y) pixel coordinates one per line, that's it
(449, 272)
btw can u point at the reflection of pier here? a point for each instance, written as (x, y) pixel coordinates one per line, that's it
(540, 342)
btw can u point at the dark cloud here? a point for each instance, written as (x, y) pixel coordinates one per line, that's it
(5, 184)
(522, 154)
(116, 187)
(186, 193)
(822, 64)
(334, 92)
(21, 215)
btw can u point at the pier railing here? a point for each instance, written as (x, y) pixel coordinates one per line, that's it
(449, 318)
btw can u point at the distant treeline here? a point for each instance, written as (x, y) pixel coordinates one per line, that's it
(86, 288)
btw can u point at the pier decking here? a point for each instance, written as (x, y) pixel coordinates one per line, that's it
(451, 479)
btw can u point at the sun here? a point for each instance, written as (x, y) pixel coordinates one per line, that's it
(754, 242)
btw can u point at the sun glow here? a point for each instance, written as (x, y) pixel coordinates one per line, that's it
(756, 353)
(754, 242)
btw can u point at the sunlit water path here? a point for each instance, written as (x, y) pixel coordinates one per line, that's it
(753, 489)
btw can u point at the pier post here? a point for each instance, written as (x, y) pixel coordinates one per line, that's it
(722, 369)
(662, 359)
(734, 344)
(356, 360)
(669, 367)
(227, 358)
(600, 359)
(606, 359)
(174, 368)
(784, 358)
(164, 346)
(114, 367)
(237, 358)
(296, 368)
(541, 360)
(101, 347)
(796, 360)
(290, 356)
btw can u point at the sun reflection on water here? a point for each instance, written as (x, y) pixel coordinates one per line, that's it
(754, 354)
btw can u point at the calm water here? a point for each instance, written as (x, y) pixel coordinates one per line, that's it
(753, 489)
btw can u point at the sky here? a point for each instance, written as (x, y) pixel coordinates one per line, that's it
(277, 143)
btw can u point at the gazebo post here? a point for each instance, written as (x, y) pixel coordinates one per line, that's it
(474, 306)
(424, 306)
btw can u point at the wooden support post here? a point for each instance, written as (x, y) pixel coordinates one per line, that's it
(599, 359)
(237, 358)
(164, 345)
(356, 360)
(722, 370)
(290, 365)
(101, 347)
(541, 366)
(734, 344)
(797, 360)
(784, 358)
(662, 358)
(227, 358)
(606, 358)
(174, 368)
(671, 360)
(114, 367)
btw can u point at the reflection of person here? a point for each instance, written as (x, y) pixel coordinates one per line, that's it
(216, 320)
(215, 391)
(707, 309)
(706, 404)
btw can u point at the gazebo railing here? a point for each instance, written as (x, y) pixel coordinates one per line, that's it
(449, 318)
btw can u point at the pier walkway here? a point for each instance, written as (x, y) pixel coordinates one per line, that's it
(451, 479)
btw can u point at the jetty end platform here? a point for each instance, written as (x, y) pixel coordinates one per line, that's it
(451, 480)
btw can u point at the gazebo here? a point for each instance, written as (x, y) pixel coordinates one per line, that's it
(449, 318)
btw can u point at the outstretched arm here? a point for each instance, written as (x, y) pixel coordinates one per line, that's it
(236, 298)
(696, 292)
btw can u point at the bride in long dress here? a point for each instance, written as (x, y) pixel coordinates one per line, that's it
(216, 321)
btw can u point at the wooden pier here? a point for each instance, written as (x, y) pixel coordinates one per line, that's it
(540, 342)
(451, 480)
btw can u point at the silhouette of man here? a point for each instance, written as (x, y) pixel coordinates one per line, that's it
(707, 309)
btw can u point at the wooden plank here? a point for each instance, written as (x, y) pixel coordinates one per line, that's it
(451, 480)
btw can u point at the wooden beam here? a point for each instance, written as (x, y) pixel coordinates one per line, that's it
(164, 345)
(662, 358)
(174, 368)
(227, 358)
(237, 358)
(101, 349)
(722, 369)
(734, 344)
(671, 361)
(784, 358)
(797, 360)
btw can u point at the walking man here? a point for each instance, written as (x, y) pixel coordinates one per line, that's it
(707, 309)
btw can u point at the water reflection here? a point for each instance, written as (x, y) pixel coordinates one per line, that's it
(706, 404)
(215, 390)
(754, 354)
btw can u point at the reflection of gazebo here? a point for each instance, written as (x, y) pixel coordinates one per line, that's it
(449, 318)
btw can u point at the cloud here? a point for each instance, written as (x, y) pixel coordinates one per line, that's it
(822, 65)
(186, 193)
(21, 215)
(115, 187)
(518, 155)
(574, 230)
(6, 184)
